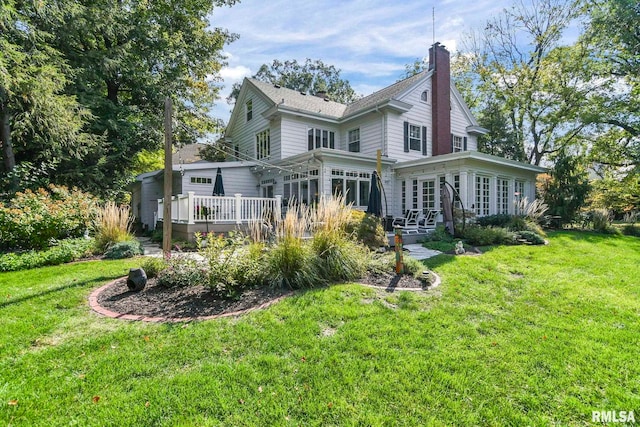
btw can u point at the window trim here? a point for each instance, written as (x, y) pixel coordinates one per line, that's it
(413, 139)
(248, 107)
(355, 144)
(320, 138)
(263, 146)
(425, 96)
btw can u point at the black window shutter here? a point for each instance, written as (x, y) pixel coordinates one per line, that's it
(424, 140)
(406, 137)
(464, 147)
(452, 143)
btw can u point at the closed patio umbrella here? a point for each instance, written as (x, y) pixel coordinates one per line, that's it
(374, 207)
(447, 209)
(218, 187)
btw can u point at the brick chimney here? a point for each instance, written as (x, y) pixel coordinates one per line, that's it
(440, 99)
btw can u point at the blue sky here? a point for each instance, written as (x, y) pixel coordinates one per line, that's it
(370, 41)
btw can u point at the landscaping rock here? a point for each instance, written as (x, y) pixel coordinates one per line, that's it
(137, 279)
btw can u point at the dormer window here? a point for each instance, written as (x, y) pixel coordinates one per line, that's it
(249, 109)
(424, 96)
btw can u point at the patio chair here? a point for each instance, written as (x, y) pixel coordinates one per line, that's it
(428, 220)
(409, 222)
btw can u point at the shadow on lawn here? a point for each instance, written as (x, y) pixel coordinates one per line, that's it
(54, 290)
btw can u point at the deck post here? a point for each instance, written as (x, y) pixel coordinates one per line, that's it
(190, 208)
(238, 197)
(277, 209)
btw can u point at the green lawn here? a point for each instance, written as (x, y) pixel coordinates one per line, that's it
(523, 335)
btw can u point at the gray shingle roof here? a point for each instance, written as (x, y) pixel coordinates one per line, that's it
(316, 105)
(298, 101)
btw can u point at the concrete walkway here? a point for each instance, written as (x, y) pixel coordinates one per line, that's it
(419, 252)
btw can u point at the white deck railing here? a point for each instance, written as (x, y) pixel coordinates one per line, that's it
(190, 209)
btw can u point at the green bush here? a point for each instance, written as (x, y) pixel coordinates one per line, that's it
(631, 230)
(127, 249)
(64, 251)
(291, 263)
(233, 265)
(33, 219)
(485, 236)
(337, 258)
(183, 271)
(370, 232)
(499, 220)
(530, 237)
(152, 266)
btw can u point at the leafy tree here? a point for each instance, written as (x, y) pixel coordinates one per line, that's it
(613, 38)
(500, 140)
(126, 57)
(566, 188)
(540, 84)
(310, 77)
(39, 123)
(617, 195)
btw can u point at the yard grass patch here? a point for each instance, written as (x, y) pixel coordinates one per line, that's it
(522, 335)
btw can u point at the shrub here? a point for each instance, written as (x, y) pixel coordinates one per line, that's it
(33, 219)
(338, 258)
(370, 232)
(530, 237)
(412, 266)
(631, 230)
(499, 220)
(485, 236)
(601, 221)
(183, 271)
(291, 263)
(127, 249)
(113, 225)
(152, 266)
(65, 251)
(232, 264)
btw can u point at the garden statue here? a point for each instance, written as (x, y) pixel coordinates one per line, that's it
(459, 248)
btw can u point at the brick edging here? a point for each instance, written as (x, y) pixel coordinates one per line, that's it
(95, 306)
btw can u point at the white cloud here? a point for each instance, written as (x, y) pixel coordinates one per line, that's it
(235, 74)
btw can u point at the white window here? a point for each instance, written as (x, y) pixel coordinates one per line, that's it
(424, 96)
(428, 194)
(414, 137)
(200, 180)
(518, 196)
(457, 144)
(354, 140)
(263, 144)
(249, 109)
(503, 195)
(321, 138)
(355, 184)
(482, 195)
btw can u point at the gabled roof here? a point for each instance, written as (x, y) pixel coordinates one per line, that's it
(383, 95)
(294, 100)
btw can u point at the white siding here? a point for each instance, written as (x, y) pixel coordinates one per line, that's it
(420, 114)
(235, 180)
(150, 191)
(244, 132)
(459, 123)
(295, 131)
(370, 126)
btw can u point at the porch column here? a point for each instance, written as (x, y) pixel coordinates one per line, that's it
(190, 208)
(238, 201)
(464, 189)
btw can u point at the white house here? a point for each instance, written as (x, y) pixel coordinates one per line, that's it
(299, 146)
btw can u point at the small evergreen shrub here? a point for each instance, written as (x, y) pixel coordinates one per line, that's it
(127, 249)
(182, 272)
(152, 266)
(486, 236)
(529, 236)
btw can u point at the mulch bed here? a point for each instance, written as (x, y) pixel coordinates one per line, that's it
(184, 303)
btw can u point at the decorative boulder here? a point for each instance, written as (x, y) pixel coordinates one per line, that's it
(137, 279)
